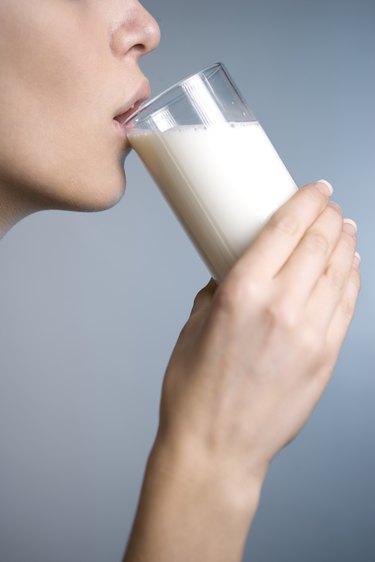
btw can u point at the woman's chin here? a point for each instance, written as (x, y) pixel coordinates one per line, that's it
(80, 184)
(96, 195)
(101, 201)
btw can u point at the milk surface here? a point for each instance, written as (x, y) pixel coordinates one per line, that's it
(223, 182)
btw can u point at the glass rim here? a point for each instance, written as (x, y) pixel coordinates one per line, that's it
(214, 66)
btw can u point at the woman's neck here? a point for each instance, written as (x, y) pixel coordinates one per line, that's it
(13, 208)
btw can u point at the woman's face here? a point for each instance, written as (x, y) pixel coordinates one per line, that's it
(67, 68)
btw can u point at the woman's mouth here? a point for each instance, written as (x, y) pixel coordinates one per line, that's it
(122, 118)
(124, 112)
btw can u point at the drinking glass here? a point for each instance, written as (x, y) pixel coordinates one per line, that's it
(213, 162)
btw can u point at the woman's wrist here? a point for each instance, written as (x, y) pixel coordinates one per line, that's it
(191, 509)
(228, 483)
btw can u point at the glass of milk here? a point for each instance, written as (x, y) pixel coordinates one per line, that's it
(213, 162)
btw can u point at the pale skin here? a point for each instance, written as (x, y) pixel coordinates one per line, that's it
(258, 350)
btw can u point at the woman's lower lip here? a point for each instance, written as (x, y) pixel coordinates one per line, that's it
(121, 131)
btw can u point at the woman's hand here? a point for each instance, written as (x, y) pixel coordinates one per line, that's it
(248, 369)
(259, 349)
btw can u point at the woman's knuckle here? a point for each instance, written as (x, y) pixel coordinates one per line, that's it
(286, 224)
(283, 315)
(336, 277)
(315, 242)
(349, 242)
(348, 301)
(356, 280)
(241, 290)
(347, 307)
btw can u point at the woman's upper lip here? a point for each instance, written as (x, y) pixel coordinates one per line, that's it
(141, 95)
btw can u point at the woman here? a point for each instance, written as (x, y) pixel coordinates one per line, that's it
(256, 353)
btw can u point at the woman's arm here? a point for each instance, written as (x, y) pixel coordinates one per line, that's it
(190, 510)
(248, 369)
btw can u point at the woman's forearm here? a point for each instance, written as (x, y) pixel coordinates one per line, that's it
(190, 512)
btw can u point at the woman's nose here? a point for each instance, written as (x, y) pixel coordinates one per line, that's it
(138, 32)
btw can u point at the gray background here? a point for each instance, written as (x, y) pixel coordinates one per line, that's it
(91, 306)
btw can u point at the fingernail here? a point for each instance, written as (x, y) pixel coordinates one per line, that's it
(350, 227)
(325, 187)
(356, 260)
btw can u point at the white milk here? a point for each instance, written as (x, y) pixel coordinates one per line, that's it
(223, 182)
